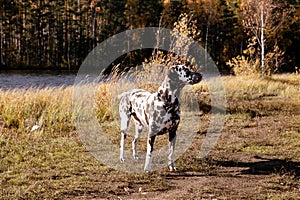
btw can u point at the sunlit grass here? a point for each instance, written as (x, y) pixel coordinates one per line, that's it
(243, 87)
(49, 109)
(281, 85)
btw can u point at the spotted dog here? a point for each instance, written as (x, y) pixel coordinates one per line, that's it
(158, 111)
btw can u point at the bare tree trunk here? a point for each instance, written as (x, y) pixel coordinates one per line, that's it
(67, 37)
(262, 38)
(207, 33)
(1, 44)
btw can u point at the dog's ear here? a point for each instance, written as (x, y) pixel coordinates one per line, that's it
(173, 72)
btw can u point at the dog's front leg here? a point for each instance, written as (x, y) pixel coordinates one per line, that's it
(172, 141)
(148, 161)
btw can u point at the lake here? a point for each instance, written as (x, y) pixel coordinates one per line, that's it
(28, 79)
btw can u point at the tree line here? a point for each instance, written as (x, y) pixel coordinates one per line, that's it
(58, 34)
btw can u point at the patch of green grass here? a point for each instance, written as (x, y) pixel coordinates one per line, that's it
(288, 142)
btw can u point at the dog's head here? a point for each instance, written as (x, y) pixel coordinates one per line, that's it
(182, 73)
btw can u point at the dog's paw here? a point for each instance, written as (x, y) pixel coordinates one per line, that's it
(147, 169)
(173, 168)
(122, 160)
(135, 156)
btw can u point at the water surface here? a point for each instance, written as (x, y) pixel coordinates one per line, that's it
(34, 79)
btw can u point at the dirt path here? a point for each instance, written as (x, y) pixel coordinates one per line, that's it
(226, 182)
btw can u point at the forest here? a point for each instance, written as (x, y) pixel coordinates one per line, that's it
(58, 34)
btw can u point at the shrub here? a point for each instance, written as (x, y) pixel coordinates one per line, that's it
(247, 64)
(250, 64)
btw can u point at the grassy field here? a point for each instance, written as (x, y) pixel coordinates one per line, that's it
(257, 155)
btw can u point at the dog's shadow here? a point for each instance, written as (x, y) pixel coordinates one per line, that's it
(263, 166)
(269, 166)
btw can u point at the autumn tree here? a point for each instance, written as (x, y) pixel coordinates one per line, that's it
(262, 19)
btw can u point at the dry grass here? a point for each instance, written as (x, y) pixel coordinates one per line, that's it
(282, 86)
(50, 109)
(51, 162)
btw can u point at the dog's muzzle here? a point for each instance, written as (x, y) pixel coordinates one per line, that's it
(196, 77)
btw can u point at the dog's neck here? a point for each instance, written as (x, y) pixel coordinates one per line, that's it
(169, 90)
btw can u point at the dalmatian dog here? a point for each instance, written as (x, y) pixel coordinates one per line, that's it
(159, 111)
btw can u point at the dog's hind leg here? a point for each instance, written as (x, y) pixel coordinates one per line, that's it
(138, 131)
(125, 119)
(122, 146)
